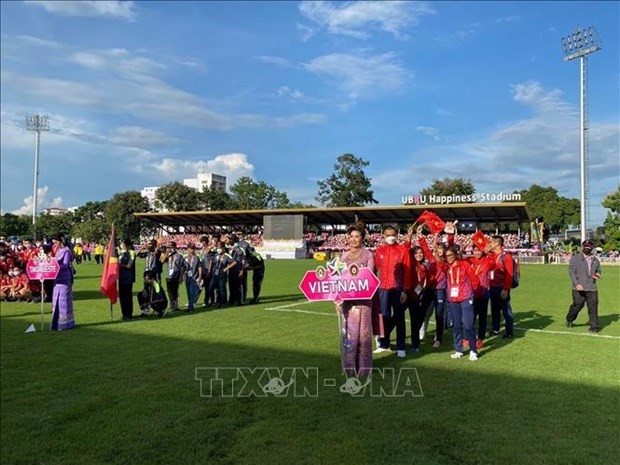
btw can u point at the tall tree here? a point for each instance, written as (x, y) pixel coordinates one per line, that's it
(54, 224)
(248, 194)
(90, 211)
(612, 222)
(214, 199)
(448, 186)
(96, 230)
(348, 186)
(14, 225)
(558, 212)
(120, 210)
(176, 197)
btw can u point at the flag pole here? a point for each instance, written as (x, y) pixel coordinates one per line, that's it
(42, 299)
(111, 314)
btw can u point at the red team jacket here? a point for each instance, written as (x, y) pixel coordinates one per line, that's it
(391, 264)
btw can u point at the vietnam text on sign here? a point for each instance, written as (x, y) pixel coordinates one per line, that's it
(339, 282)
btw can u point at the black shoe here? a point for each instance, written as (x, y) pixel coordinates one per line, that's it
(593, 330)
(507, 336)
(494, 333)
(569, 324)
(143, 315)
(189, 310)
(127, 318)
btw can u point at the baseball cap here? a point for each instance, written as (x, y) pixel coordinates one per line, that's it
(587, 243)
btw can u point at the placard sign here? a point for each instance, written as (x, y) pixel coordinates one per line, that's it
(42, 269)
(339, 282)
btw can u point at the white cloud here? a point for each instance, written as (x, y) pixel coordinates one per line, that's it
(63, 91)
(542, 149)
(306, 32)
(124, 83)
(98, 8)
(274, 60)
(42, 202)
(429, 131)
(294, 94)
(118, 61)
(360, 76)
(231, 165)
(508, 19)
(135, 136)
(351, 18)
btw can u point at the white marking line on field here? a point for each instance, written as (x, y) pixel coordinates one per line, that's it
(296, 310)
(547, 331)
(605, 336)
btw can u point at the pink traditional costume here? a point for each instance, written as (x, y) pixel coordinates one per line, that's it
(356, 322)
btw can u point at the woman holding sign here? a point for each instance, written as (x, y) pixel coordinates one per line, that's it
(356, 315)
(62, 297)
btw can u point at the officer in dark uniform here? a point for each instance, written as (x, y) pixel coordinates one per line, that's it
(257, 265)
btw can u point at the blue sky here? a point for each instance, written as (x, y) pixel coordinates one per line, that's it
(145, 93)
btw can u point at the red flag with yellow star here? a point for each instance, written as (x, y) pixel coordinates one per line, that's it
(480, 240)
(431, 220)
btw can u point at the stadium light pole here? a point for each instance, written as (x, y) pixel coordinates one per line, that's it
(36, 123)
(579, 44)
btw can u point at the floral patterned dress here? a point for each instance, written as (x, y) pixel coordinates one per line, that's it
(356, 322)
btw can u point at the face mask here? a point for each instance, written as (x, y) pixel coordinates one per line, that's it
(390, 240)
(220, 251)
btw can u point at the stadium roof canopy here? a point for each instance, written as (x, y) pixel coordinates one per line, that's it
(204, 221)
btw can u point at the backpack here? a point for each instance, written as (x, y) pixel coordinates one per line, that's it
(516, 270)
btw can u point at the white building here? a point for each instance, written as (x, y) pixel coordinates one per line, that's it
(202, 182)
(206, 181)
(149, 193)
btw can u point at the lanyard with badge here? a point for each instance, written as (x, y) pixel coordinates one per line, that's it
(421, 283)
(454, 287)
(171, 265)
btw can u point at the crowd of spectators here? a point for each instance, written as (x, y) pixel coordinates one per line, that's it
(182, 240)
(338, 242)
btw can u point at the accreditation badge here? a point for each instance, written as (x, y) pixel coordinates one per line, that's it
(454, 292)
(492, 275)
(418, 289)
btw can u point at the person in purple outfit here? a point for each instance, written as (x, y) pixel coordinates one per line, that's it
(62, 297)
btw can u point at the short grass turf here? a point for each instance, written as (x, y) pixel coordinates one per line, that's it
(126, 393)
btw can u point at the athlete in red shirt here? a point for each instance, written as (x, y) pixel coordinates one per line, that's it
(501, 283)
(391, 265)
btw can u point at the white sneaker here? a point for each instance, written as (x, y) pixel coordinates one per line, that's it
(401, 353)
(456, 355)
(380, 350)
(473, 356)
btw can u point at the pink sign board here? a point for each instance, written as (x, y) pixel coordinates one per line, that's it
(339, 282)
(42, 269)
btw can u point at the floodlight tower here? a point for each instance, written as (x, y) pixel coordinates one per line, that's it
(579, 44)
(36, 123)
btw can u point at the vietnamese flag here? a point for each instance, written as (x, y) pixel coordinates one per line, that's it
(109, 285)
(433, 221)
(480, 240)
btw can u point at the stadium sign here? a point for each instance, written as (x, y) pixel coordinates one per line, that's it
(423, 199)
(339, 282)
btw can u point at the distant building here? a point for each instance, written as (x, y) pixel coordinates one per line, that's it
(206, 181)
(54, 211)
(200, 183)
(149, 193)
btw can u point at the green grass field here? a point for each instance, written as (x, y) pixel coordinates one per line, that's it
(126, 393)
